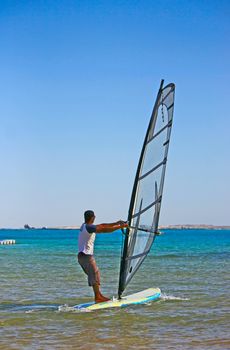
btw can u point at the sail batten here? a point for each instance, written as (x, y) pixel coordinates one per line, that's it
(153, 169)
(146, 208)
(160, 131)
(145, 204)
(138, 255)
(143, 229)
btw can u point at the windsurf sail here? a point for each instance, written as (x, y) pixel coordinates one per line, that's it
(145, 204)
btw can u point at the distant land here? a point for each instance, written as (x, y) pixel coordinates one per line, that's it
(195, 226)
(167, 227)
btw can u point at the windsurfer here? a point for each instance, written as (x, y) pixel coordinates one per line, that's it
(86, 240)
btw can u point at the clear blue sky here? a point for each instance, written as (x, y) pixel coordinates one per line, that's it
(78, 82)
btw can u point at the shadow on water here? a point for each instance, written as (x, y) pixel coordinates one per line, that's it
(28, 308)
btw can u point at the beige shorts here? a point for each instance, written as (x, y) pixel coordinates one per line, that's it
(90, 268)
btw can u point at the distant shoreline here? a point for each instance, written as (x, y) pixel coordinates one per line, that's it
(195, 227)
(167, 227)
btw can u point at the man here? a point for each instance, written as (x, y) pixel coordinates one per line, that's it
(86, 259)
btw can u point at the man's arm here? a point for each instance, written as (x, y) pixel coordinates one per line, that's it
(103, 228)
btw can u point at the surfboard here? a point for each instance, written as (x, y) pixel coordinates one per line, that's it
(142, 297)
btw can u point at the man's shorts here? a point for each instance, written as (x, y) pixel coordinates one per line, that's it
(89, 266)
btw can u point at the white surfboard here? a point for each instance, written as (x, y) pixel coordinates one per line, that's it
(133, 299)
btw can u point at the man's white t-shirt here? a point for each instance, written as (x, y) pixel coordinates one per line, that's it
(86, 239)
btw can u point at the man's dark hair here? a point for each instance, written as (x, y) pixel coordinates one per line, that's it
(88, 214)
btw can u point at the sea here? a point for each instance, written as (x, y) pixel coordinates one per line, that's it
(40, 281)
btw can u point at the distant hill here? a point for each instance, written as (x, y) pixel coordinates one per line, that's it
(195, 226)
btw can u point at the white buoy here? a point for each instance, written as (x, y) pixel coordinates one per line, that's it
(8, 241)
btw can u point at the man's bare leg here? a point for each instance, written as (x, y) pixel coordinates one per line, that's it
(99, 298)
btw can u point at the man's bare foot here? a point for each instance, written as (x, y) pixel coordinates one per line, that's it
(101, 299)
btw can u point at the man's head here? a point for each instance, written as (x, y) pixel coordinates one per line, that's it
(89, 216)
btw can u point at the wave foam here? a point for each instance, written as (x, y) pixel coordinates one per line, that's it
(67, 308)
(172, 297)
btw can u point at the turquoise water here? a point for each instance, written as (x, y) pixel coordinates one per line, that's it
(39, 274)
